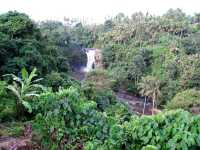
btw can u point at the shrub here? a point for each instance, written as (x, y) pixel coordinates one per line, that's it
(191, 44)
(108, 55)
(100, 79)
(56, 80)
(120, 111)
(169, 88)
(185, 100)
(97, 87)
(68, 116)
(102, 97)
(7, 113)
(169, 130)
(7, 105)
(147, 55)
(67, 120)
(190, 70)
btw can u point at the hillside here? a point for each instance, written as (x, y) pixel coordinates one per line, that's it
(142, 92)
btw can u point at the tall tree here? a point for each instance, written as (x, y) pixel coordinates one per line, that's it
(150, 87)
(143, 90)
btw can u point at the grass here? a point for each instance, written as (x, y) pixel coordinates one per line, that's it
(13, 129)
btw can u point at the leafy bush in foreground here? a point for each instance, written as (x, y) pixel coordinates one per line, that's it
(56, 80)
(67, 117)
(67, 120)
(169, 130)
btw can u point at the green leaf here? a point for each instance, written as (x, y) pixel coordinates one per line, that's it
(37, 86)
(149, 147)
(31, 94)
(37, 80)
(27, 106)
(32, 75)
(24, 73)
(14, 90)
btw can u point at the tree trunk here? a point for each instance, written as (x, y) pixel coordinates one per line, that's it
(153, 103)
(152, 111)
(19, 110)
(145, 100)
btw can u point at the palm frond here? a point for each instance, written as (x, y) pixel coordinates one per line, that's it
(37, 80)
(37, 86)
(31, 95)
(14, 91)
(27, 106)
(32, 74)
(14, 77)
(24, 73)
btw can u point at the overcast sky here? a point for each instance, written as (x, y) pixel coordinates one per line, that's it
(94, 10)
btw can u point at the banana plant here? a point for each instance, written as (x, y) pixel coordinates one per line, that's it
(25, 88)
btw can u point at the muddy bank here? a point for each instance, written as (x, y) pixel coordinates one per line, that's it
(134, 103)
(24, 142)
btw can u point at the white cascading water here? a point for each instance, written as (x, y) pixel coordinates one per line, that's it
(90, 60)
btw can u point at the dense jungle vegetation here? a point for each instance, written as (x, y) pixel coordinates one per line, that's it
(156, 58)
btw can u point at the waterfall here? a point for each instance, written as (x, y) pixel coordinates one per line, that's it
(90, 60)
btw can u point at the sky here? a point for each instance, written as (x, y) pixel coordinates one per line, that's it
(94, 11)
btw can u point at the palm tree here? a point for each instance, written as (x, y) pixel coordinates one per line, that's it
(150, 87)
(143, 87)
(23, 88)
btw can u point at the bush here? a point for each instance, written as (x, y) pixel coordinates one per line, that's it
(147, 55)
(67, 120)
(7, 113)
(132, 88)
(185, 100)
(100, 79)
(169, 130)
(7, 104)
(108, 55)
(191, 44)
(68, 117)
(97, 87)
(102, 97)
(56, 80)
(120, 111)
(169, 88)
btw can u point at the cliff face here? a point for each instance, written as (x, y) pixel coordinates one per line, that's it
(98, 59)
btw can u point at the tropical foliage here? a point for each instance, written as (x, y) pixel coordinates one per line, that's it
(24, 88)
(150, 88)
(70, 121)
(165, 47)
(152, 57)
(188, 99)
